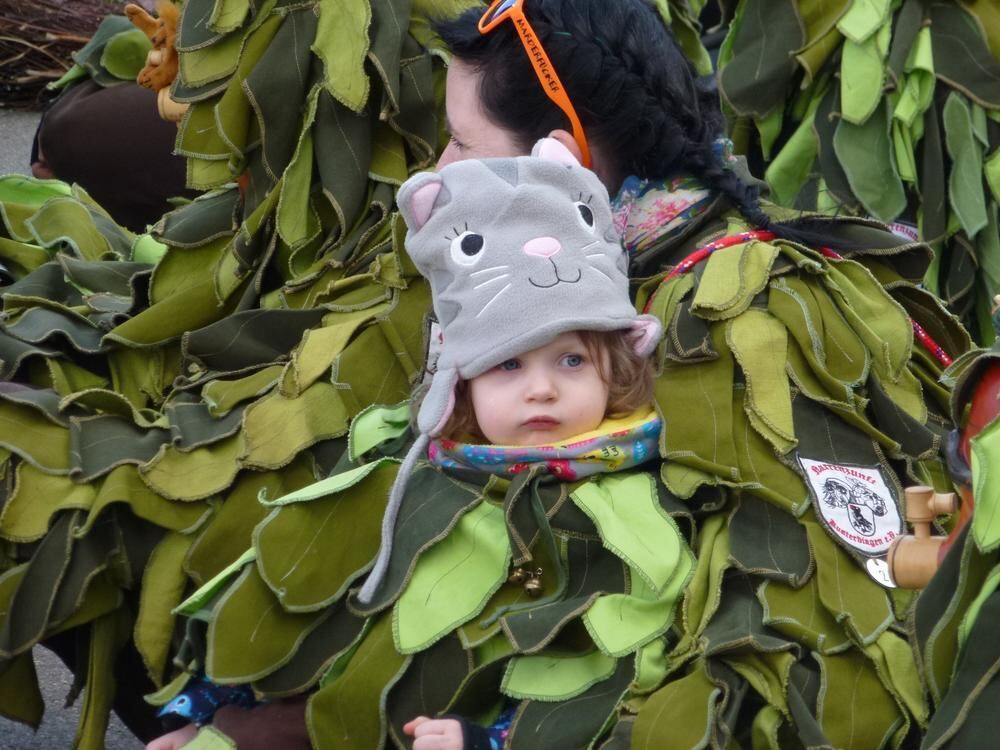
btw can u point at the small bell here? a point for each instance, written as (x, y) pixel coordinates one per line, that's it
(534, 584)
(517, 575)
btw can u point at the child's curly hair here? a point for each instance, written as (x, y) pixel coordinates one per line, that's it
(629, 378)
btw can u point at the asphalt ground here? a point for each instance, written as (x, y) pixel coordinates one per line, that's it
(58, 727)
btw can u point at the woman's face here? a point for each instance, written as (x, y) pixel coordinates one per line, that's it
(473, 134)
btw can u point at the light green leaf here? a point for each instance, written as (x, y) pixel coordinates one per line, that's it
(342, 44)
(986, 487)
(917, 86)
(228, 15)
(204, 594)
(989, 586)
(622, 623)
(861, 75)
(759, 342)
(377, 424)
(792, 166)
(633, 525)
(863, 19)
(555, 678)
(453, 580)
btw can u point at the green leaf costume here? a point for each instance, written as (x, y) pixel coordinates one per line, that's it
(784, 638)
(879, 108)
(160, 381)
(955, 620)
(447, 631)
(156, 384)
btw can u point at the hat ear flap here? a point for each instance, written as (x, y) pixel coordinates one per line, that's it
(416, 198)
(439, 402)
(645, 333)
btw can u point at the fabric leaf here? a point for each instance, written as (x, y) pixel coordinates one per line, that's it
(633, 525)
(965, 182)
(986, 487)
(865, 153)
(759, 343)
(453, 580)
(764, 35)
(348, 713)
(342, 44)
(555, 678)
(861, 73)
(298, 534)
(621, 623)
(250, 634)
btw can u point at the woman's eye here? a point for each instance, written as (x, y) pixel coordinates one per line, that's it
(455, 142)
(586, 215)
(467, 247)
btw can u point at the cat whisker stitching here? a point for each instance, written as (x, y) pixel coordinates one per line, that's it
(602, 273)
(589, 245)
(490, 281)
(495, 298)
(486, 270)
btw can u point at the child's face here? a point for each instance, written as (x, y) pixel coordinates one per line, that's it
(542, 396)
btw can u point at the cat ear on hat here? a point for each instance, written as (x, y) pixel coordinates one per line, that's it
(645, 333)
(417, 196)
(553, 150)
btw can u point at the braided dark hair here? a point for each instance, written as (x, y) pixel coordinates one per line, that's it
(638, 97)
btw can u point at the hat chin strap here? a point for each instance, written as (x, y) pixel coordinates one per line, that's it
(381, 567)
(435, 411)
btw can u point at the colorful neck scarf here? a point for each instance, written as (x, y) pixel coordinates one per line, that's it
(646, 210)
(617, 444)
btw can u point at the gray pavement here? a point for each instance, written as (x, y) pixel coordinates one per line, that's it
(16, 132)
(58, 727)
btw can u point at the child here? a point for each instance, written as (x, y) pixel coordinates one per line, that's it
(517, 593)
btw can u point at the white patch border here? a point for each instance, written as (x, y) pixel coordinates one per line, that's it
(892, 527)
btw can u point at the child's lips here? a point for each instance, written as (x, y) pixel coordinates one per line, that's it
(541, 423)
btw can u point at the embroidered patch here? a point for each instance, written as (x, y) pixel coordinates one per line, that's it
(856, 505)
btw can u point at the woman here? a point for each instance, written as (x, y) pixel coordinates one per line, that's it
(798, 394)
(796, 397)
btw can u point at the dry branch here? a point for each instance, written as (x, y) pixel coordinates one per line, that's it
(37, 39)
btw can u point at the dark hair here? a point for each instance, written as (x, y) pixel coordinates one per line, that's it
(629, 377)
(638, 97)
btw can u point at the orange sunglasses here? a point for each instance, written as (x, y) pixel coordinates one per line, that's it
(499, 11)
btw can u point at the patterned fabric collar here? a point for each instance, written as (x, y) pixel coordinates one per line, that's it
(617, 444)
(646, 210)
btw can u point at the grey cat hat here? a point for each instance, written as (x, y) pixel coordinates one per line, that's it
(517, 251)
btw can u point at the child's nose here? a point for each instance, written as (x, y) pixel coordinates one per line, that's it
(541, 387)
(545, 247)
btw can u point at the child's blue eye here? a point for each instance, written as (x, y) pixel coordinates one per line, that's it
(510, 364)
(573, 360)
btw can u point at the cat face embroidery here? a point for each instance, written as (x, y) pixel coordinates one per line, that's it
(488, 230)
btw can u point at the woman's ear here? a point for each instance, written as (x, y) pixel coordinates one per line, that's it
(416, 198)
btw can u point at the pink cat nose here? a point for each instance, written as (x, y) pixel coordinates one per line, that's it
(546, 247)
